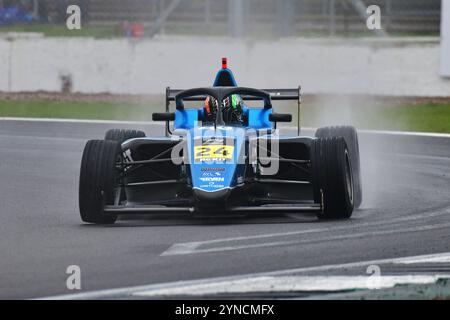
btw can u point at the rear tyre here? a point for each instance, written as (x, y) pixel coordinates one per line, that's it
(98, 178)
(332, 177)
(121, 135)
(351, 138)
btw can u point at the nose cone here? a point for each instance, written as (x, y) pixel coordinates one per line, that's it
(211, 197)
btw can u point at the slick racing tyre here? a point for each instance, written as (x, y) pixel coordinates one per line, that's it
(351, 137)
(121, 135)
(98, 177)
(332, 177)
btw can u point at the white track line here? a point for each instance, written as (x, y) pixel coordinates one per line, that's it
(129, 291)
(192, 247)
(407, 133)
(60, 120)
(91, 121)
(293, 284)
(181, 249)
(436, 258)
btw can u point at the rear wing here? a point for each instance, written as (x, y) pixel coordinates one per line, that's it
(275, 94)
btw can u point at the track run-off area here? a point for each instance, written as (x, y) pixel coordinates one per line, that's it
(403, 226)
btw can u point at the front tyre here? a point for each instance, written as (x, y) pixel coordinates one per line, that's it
(98, 178)
(332, 177)
(351, 138)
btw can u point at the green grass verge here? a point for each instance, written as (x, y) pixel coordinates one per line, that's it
(423, 117)
(76, 110)
(56, 30)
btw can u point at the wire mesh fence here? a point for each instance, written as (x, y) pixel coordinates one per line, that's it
(254, 18)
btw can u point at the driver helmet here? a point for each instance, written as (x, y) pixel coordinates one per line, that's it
(232, 108)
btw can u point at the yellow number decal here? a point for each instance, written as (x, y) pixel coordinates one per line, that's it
(213, 152)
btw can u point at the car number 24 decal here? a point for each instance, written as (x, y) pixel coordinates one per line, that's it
(213, 152)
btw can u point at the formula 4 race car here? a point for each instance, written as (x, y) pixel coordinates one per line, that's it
(222, 158)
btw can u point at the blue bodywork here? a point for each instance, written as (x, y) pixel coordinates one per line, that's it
(218, 175)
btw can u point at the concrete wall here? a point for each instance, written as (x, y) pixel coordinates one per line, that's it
(445, 39)
(400, 67)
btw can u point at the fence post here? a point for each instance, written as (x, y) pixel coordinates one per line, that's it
(285, 16)
(332, 17)
(208, 13)
(388, 14)
(236, 18)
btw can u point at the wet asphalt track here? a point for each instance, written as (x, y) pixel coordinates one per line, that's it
(405, 213)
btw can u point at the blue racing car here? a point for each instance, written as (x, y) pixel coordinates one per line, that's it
(221, 157)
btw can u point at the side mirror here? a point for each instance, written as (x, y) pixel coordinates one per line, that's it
(165, 116)
(280, 117)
